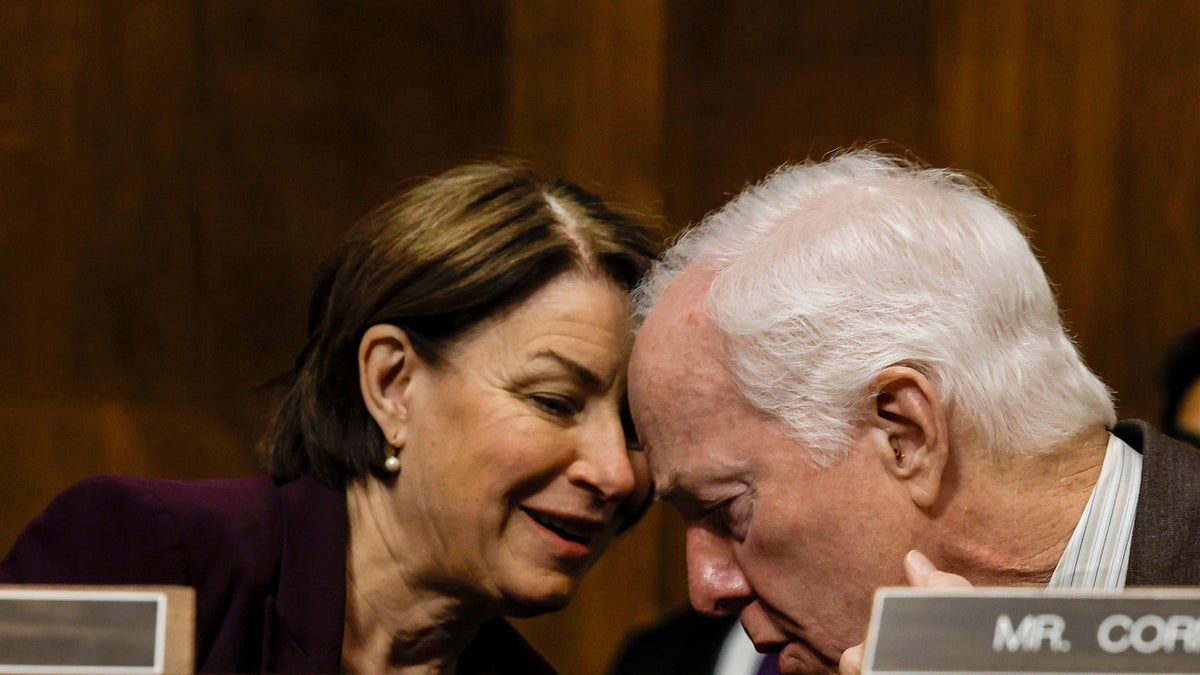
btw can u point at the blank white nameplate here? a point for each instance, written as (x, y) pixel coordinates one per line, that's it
(1014, 630)
(80, 630)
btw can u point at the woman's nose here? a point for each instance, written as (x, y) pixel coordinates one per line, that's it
(602, 463)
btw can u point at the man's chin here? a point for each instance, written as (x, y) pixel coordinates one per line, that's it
(797, 658)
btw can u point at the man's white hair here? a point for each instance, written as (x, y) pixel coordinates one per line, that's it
(828, 272)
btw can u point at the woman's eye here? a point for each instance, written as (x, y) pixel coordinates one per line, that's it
(559, 406)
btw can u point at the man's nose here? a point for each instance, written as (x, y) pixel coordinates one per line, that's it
(715, 580)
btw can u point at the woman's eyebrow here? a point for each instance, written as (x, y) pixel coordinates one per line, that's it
(585, 375)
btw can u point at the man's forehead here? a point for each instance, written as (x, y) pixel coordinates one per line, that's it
(677, 382)
(677, 332)
(681, 394)
(681, 304)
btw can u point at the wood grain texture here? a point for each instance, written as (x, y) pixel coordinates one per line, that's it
(171, 173)
(750, 87)
(586, 102)
(1083, 118)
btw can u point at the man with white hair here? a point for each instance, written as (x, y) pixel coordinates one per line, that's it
(859, 359)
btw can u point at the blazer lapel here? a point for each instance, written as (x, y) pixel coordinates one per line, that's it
(1166, 528)
(304, 622)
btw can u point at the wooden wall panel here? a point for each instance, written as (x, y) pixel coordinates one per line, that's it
(170, 174)
(750, 88)
(586, 102)
(1158, 194)
(1083, 118)
(586, 93)
(316, 112)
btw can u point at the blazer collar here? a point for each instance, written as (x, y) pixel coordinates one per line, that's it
(1165, 528)
(310, 604)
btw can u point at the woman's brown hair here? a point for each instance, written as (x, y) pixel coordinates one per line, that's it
(436, 261)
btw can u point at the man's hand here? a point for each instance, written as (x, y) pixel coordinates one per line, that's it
(921, 574)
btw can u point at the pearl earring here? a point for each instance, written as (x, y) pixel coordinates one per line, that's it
(392, 463)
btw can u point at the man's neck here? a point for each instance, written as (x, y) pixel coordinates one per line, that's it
(1008, 525)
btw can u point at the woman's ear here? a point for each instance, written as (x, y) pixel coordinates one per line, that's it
(385, 367)
(909, 412)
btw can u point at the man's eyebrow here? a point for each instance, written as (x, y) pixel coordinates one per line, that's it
(584, 374)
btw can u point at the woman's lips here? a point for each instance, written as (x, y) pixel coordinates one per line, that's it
(576, 532)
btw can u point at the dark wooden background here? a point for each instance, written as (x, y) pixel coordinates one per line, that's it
(171, 171)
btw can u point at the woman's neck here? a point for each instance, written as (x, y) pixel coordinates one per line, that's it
(395, 622)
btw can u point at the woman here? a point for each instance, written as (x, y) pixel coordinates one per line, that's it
(452, 447)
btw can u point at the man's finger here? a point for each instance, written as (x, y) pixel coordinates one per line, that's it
(852, 660)
(922, 573)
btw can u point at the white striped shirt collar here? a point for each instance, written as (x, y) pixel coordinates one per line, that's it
(1097, 556)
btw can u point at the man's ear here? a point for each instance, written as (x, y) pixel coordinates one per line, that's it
(908, 410)
(386, 362)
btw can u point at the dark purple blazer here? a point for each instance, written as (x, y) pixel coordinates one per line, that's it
(267, 562)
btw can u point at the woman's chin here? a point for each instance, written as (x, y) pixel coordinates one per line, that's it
(540, 601)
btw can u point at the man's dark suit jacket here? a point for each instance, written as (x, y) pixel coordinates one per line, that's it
(268, 563)
(1165, 552)
(1166, 529)
(681, 643)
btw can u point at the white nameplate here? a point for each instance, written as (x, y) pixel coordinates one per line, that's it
(1015, 630)
(85, 630)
